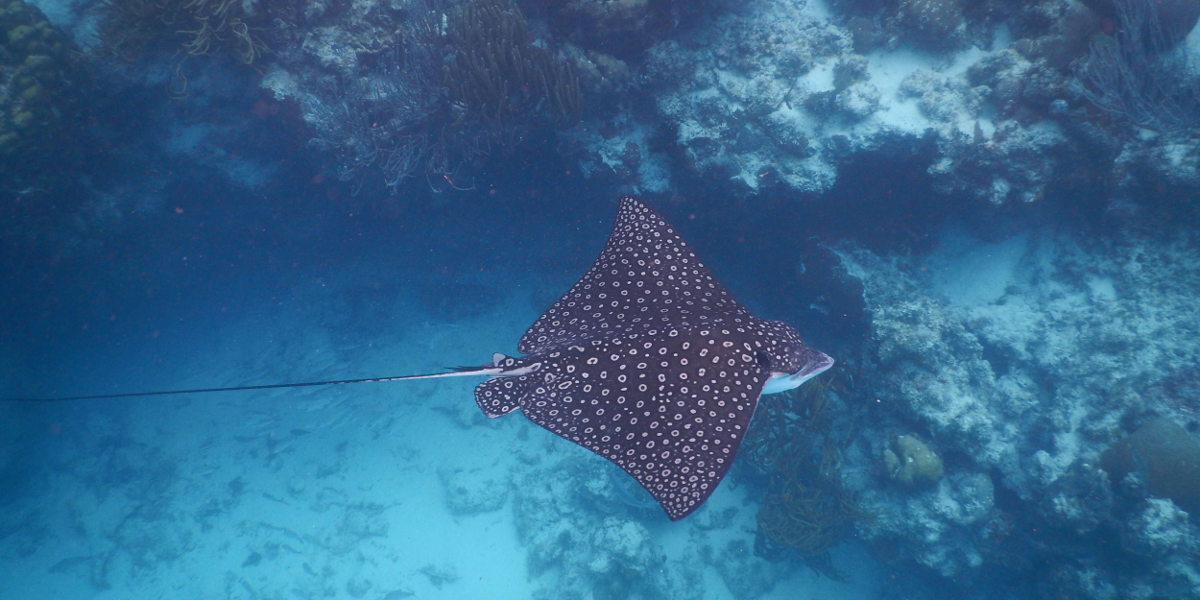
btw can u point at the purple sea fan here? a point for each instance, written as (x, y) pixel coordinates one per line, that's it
(1137, 74)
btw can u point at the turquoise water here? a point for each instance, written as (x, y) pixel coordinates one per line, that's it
(985, 212)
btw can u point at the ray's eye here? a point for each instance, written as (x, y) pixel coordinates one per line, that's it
(761, 359)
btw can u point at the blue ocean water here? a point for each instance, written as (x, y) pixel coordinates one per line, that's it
(986, 214)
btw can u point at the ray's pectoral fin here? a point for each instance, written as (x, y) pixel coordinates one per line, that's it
(502, 393)
(674, 428)
(499, 396)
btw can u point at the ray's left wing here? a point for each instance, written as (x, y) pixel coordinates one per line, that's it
(671, 410)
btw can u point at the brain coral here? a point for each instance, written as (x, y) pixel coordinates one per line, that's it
(910, 461)
(40, 94)
(1167, 458)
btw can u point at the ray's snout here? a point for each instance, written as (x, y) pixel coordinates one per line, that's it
(815, 362)
(818, 362)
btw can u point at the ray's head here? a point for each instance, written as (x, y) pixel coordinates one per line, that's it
(787, 358)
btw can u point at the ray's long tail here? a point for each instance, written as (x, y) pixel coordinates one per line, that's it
(454, 372)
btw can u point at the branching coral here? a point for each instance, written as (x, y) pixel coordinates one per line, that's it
(806, 509)
(1137, 75)
(452, 85)
(196, 27)
(809, 511)
(787, 422)
(1170, 20)
(497, 74)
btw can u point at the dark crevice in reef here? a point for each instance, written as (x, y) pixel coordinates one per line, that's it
(886, 201)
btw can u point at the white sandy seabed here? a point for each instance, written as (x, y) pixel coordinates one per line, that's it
(376, 491)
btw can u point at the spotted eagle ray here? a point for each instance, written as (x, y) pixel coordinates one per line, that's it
(647, 361)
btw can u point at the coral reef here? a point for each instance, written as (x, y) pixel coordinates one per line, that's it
(996, 381)
(42, 95)
(1159, 531)
(429, 89)
(736, 102)
(497, 76)
(773, 95)
(232, 28)
(1159, 170)
(624, 154)
(1166, 20)
(1030, 409)
(778, 96)
(588, 548)
(97, 121)
(606, 20)
(622, 29)
(809, 518)
(586, 536)
(1005, 104)
(475, 490)
(1080, 500)
(932, 22)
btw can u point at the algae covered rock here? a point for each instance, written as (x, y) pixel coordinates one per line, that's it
(908, 460)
